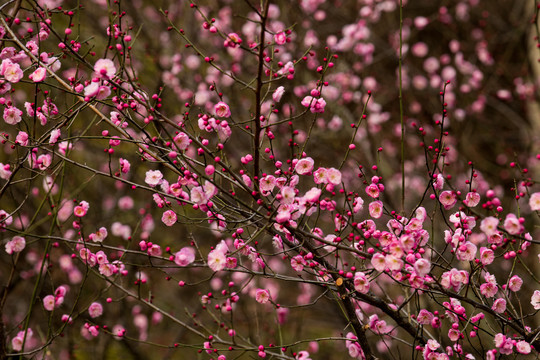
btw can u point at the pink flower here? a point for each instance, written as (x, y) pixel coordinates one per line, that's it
(262, 296)
(280, 38)
(319, 176)
(233, 40)
(105, 68)
(466, 251)
(447, 199)
(153, 177)
(125, 166)
(95, 310)
(185, 256)
(12, 115)
(315, 105)
(512, 224)
(222, 110)
(514, 284)
(535, 300)
(523, 347)
(534, 201)
(304, 166)
(361, 282)
(422, 267)
(472, 199)
(486, 256)
(48, 302)
(182, 141)
(278, 94)
(333, 176)
(298, 262)
(15, 245)
(312, 195)
(489, 225)
(38, 75)
(11, 71)
(499, 306)
(376, 209)
(216, 260)
(379, 262)
(373, 190)
(55, 135)
(99, 235)
(169, 218)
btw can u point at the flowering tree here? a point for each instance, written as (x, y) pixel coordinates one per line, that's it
(289, 180)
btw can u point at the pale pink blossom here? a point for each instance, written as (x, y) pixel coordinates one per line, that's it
(182, 141)
(233, 40)
(11, 71)
(379, 262)
(105, 68)
(422, 267)
(448, 199)
(319, 176)
(472, 199)
(534, 201)
(535, 300)
(38, 75)
(262, 296)
(515, 283)
(523, 347)
(486, 256)
(499, 306)
(216, 260)
(489, 225)
(15, 245)
(49, 302)
(12, 115)
(185, 256)
(169, 218)
(95, 310)
(512, 224)
(361, 282)
(153, 177)
(304, 166)
(222, 109)
(376, 209)
(333, 176)
(298, 262)
(278, 94)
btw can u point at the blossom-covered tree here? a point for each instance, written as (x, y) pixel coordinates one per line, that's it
(273, 179)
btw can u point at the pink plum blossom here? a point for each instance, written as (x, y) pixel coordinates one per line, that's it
(262, 296)
(153, 177)
(38, 75)
(95, 310)
(169, 218)
(15, 245)
(304, 166)
(185, 256)
(222, 109)
(105, 68)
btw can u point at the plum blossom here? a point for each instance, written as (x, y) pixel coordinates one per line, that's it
(535, 300)
(534, 201)
(233, 40)
(95, 310)
(333, 176)
(262, 296)
(153, 177)
(361, 282)
(48, 302)
(376, 209)
(315, 105)
(185, 256)
(169, 218)
(278, 94)
(448, 199)
(489, 225)
(217, 259)
(222, 109)
(12, 115)
(15, 245)
(515, 283)
(304, 166)
(11, 71)
(105, 68)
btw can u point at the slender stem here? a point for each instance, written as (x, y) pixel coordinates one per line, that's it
(258, 91)
(401, 106)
